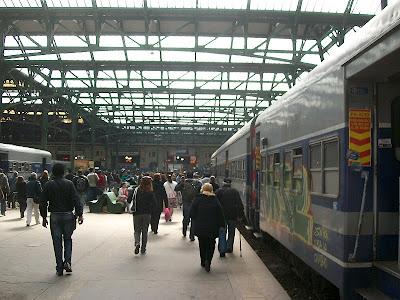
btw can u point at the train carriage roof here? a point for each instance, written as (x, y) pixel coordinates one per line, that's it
(20, 149)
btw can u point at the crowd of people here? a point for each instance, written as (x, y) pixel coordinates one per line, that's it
(209, 211)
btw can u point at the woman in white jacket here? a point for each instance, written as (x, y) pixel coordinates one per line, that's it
(169, 187)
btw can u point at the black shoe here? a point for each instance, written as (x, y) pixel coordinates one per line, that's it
(228, 251)
(67, 267)
(143, 251)
(222, 255)
(207, 266)
(137, 249)
(60, 273)
(202, 264)
(184, 231)
(27, 225)
(192, 238)
(155, 232)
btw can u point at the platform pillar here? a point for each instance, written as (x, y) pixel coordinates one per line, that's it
(74, 118)
(44, 127)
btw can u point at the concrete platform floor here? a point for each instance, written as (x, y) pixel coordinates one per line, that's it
(105, 267)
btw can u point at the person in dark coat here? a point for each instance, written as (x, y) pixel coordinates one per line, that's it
(232, 207)
(61, 199)
(161, 201)
(143, 205)
(208, 218)
(20, 189)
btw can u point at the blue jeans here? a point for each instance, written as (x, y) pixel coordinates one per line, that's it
(186, 219)
(231, 224)
(62, 225)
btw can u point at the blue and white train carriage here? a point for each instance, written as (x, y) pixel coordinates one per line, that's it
(24, 160)
(319, 170)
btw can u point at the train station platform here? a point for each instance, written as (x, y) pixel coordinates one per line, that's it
(105, 267)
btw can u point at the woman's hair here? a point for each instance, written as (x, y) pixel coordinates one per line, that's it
(207, 189)
(20, 179)
(146, 184)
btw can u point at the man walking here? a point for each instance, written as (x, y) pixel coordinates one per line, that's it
(189, 188)
(61, 198)
(232, 207)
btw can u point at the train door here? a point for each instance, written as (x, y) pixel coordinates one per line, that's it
(387, 177)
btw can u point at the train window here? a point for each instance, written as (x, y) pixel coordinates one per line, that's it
(277, 169)
(270, 169)
(316, 168)
(287, 170)
(298, 169)
(263, 168)
(26, 167)
(331, 167)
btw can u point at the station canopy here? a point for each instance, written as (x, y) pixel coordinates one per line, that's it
(165, 68)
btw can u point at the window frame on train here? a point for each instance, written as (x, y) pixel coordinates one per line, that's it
(321, 187)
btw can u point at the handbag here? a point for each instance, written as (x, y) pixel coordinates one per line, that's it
(132, 204)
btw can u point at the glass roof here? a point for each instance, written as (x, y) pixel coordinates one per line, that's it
(165, 71)
(338, 6)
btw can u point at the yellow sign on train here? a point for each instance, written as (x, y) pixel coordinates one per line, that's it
(359, 137)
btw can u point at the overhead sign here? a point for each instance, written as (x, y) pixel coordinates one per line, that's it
(359, 137)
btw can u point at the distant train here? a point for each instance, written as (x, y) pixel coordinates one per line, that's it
(319, 170)
(24, 160)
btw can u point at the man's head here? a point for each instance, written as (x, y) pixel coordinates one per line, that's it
(79, 172)
(91, 170)
(227, 182)
(212, 178)
(189, 175)
(58, 170)
(169, 177)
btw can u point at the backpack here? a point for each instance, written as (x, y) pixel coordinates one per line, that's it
(81, 184)
(189, 191)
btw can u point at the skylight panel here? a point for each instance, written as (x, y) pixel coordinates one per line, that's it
(178, 41)
(111, 41)
(282, 5)
(11, 3)
(177, 56)
(369, 7)
(143, 55)
(210, 57)
(220, 42)
(171, 4)
(76, 56)
(120, 3)
(69, 3)
(223, 4)
(337, 6)
(109, 55)
(69, 41)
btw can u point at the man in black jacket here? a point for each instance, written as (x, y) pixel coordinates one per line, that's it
(61, 198)
(189, 189)
(232, 207)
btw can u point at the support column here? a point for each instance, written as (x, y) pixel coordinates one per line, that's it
(116, 167)
(44, 127)
(92, 143)
(384, 3)
(74, 118)
(2, 74)
(107, 156)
